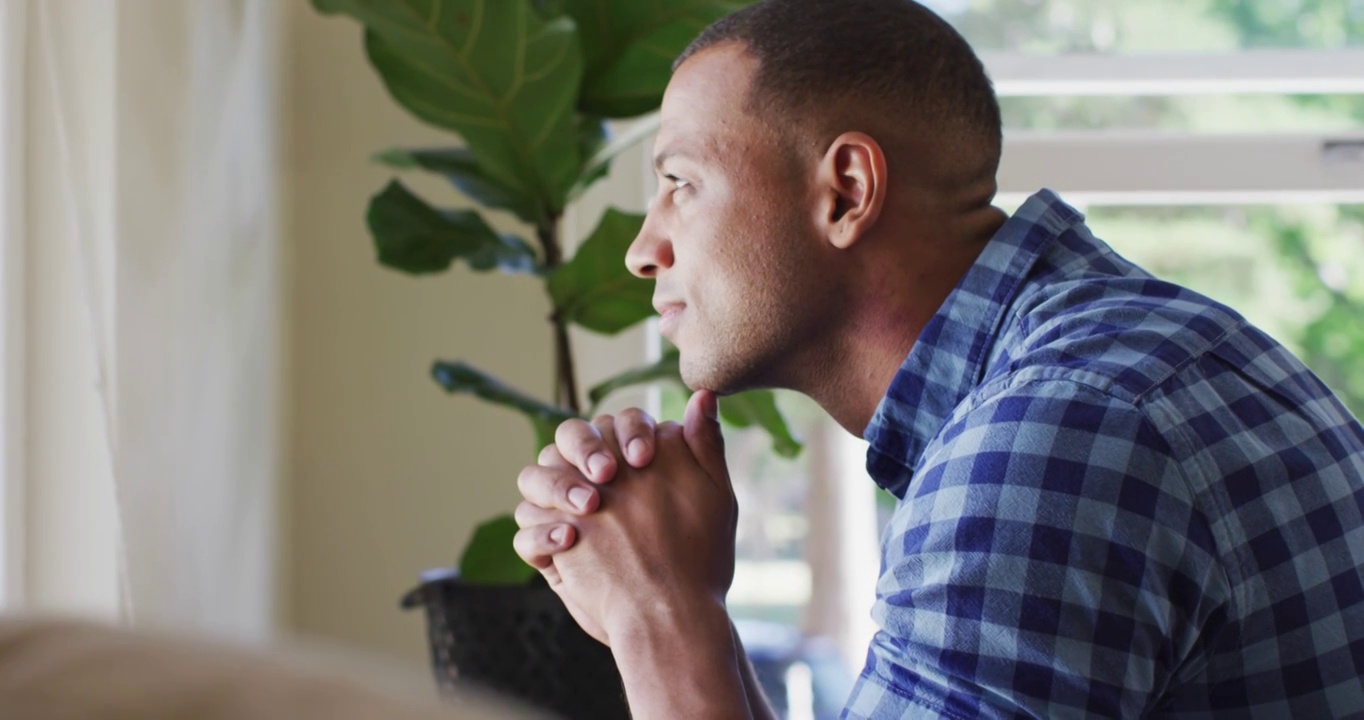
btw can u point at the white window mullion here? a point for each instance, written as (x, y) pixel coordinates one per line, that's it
(1166, 168)
(1242, 72)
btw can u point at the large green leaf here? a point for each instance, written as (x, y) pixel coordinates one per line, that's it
(595, 289)
(461, 168)
(498, 73)
(665, 369)
(459, 377)
(490, 559)
(630, 46)
(414, 237)
(510, 254)
(550, 9)
(759, 407)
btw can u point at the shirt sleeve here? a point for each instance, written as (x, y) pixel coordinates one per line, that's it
(1047, 560)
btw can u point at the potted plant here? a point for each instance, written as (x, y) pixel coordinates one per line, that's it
(528, 86)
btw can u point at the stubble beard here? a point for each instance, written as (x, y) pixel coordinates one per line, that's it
(732, 360)
(766, 338)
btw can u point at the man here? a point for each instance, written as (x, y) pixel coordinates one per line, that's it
(1117, 497)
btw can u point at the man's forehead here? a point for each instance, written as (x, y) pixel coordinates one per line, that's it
(704, 105)
(717, 77)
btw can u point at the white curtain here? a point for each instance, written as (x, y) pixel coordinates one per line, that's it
(153, 333)
(13, 101)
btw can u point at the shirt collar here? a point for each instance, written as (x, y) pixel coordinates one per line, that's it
(948, 359)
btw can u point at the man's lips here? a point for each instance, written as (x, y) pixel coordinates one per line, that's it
(669, 314)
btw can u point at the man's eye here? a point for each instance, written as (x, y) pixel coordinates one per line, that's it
(678, 183)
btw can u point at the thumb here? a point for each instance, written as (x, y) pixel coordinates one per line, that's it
(701, 430)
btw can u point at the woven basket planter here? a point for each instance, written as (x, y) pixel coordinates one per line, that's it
(519, 641)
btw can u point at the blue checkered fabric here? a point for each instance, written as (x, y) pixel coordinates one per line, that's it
(1117, 499)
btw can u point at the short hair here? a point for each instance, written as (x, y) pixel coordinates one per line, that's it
(892, 65)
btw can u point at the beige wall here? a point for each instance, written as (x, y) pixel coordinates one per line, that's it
(389, 474)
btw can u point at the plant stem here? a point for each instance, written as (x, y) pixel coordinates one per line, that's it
(565, 382)
(568, 386)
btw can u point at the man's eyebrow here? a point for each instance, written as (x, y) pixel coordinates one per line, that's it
(664, 156)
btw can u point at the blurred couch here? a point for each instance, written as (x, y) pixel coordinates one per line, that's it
(69, 670)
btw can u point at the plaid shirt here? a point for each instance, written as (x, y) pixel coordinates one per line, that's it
(1118, 498)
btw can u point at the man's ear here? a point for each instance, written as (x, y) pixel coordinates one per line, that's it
(852, 185)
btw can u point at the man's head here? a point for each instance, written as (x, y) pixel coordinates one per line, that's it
(890, 68)
(801, 142)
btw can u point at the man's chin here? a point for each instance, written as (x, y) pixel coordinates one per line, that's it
(706, 376)
(696, 376)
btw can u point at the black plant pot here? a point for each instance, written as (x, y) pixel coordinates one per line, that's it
(519, 641)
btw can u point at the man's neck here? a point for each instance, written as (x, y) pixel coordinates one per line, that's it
(852, 379)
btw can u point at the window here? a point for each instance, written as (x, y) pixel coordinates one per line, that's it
(1059, 27)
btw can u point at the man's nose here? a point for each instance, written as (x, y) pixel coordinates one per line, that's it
(651, 251)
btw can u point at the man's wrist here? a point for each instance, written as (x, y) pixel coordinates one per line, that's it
(666, 619)
(679, 659)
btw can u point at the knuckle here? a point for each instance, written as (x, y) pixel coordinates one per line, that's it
(559, 484)
(576, 438)
(524, 514)
(569, 430)
(526, 478)
(636, 417)
(524, 542)
(549, 455)
(606, 426)
(545, 486)
(531, 546)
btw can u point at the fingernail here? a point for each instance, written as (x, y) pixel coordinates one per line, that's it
(711, 407)
(596, 465)
(579, 497)
(636, 449)
(556, 535)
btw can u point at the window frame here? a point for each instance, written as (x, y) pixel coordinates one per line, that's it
(1151, 167)
(1275, 72)
(1121, 168)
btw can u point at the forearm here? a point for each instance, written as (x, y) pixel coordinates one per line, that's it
(681, 663)
(758, 705)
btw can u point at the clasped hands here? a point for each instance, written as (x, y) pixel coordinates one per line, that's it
(633, 534)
